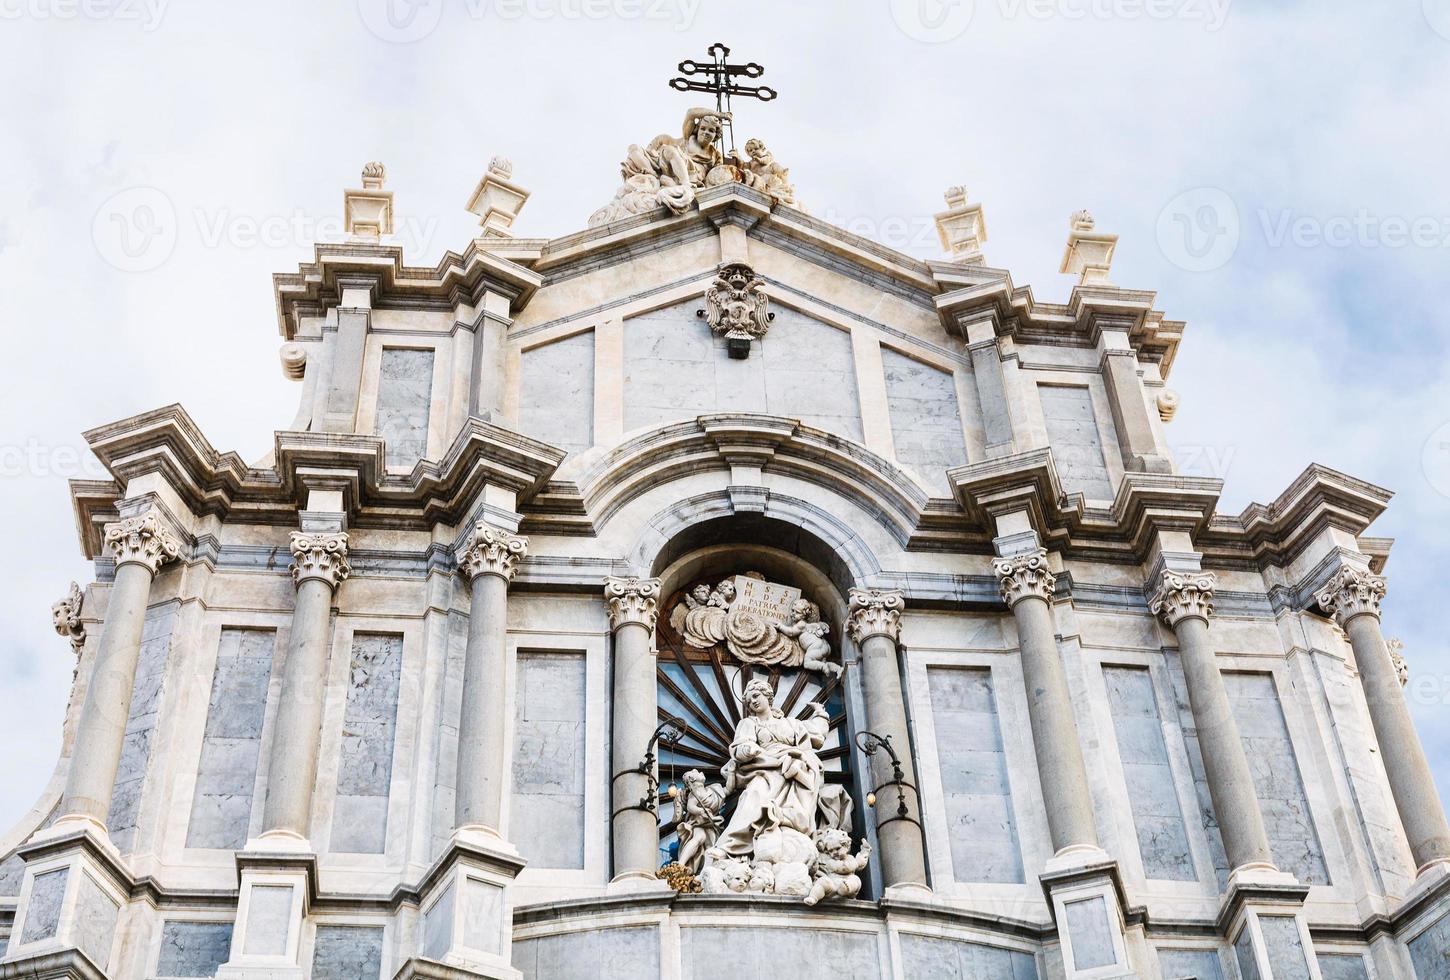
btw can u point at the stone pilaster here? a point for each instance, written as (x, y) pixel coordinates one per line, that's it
(633, 605)
(1352, 596)
(875, 626)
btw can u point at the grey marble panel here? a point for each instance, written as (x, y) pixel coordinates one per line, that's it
(365, 772)
(1285, 947)
(269, 920)
(762, 953)
(12, 875)
(547, 812)
(347, 953)
(221, 808)
(96, 914)
(42, 911)
(405, 393)
(1341, 966)
(438, 924)
(1190, 964)
(926, 421)
(556, 392)
(1430, 951)
(1077, 448)
(146, 696)
(1152, 796)
(927, 956)
(1244, 956)
(981, 825)
(193, 949)
(1206, 816)
(1089, 933)
(1287, 819)
(676, 369)
(600, 954)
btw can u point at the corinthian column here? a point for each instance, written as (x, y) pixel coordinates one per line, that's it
(633, 608)
(875, 625)
(488, 561)
(1027, 585)
(1353, 597)
(319, 567)
(140, 546)
(1184, 600)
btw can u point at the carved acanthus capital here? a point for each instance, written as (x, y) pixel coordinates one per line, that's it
(875, 612)
(67, 616)
(632, 601)
(1352, 592)
(492, 551)
(321, 556)
(141, 541)
(1025, 576)
(1183, 595)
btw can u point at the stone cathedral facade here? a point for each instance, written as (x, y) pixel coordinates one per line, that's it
(713, 593)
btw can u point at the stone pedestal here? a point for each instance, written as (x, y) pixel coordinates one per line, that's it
(277, 888)
(1086, 897)
(1263, 918)
(71, 898)
(467, 916)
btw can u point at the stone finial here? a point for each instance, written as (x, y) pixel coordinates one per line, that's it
(1089, 253)
(492, 551)
(1183, 595)
(875, 612)
(66, 615)
(497, 200)
(1167, 404)
(1025, 576)
(141, 541)
(961, 228)
(632, 601)
(1352, 592)
(368, 213)
(320, 555)
(1396, 648)
(294, 360)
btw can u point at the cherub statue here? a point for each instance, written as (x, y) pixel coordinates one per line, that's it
(697, 811)
(764, 174)
(836, 869)
(762, 878)
(725, 875)
(807, 629)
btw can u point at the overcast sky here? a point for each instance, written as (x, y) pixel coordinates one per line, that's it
(1276, 171)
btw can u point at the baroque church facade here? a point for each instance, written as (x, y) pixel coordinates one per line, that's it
(716, 593)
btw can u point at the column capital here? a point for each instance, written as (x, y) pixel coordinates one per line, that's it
(1183, 595)
(492, 551)
(632, 601)
(141, 541)
(875, 612)
(1024, 576)
(320, 556)
(1352, 592)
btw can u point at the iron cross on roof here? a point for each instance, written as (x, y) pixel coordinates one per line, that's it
(721, 82)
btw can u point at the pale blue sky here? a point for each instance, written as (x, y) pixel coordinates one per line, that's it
(1276, 172)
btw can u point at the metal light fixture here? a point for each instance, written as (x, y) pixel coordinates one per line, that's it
(669, 731)
(871, 743)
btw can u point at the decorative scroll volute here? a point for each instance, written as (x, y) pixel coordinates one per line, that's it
(1352, 592)
(632, 601)
(875, 612)
(1181, 595)
(141, 541)
(492, 551)
(320, 556)
(1025, 575)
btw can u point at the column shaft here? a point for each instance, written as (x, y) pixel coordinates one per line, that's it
(1060, 765)
(482, 728)
(1230, 781)
(101, 730)
(293, 768)
(902, 859)
(1411, 780)
(636, 831)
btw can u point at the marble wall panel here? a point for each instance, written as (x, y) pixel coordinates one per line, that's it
(193, 949)
(928, 956)
(758, 953)
(547, 813)
(347, 953)
(556, 392)
(146, 697)
(1430, 951)
(405, 392)
(365, 770)
(926, 421)
(623, 953)
(1077, 447)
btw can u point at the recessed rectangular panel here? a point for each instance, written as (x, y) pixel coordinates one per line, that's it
(546, 817)
(1072, 433)
(405, 395)
(365, 770)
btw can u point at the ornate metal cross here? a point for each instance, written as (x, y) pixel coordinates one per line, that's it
(721, 81)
